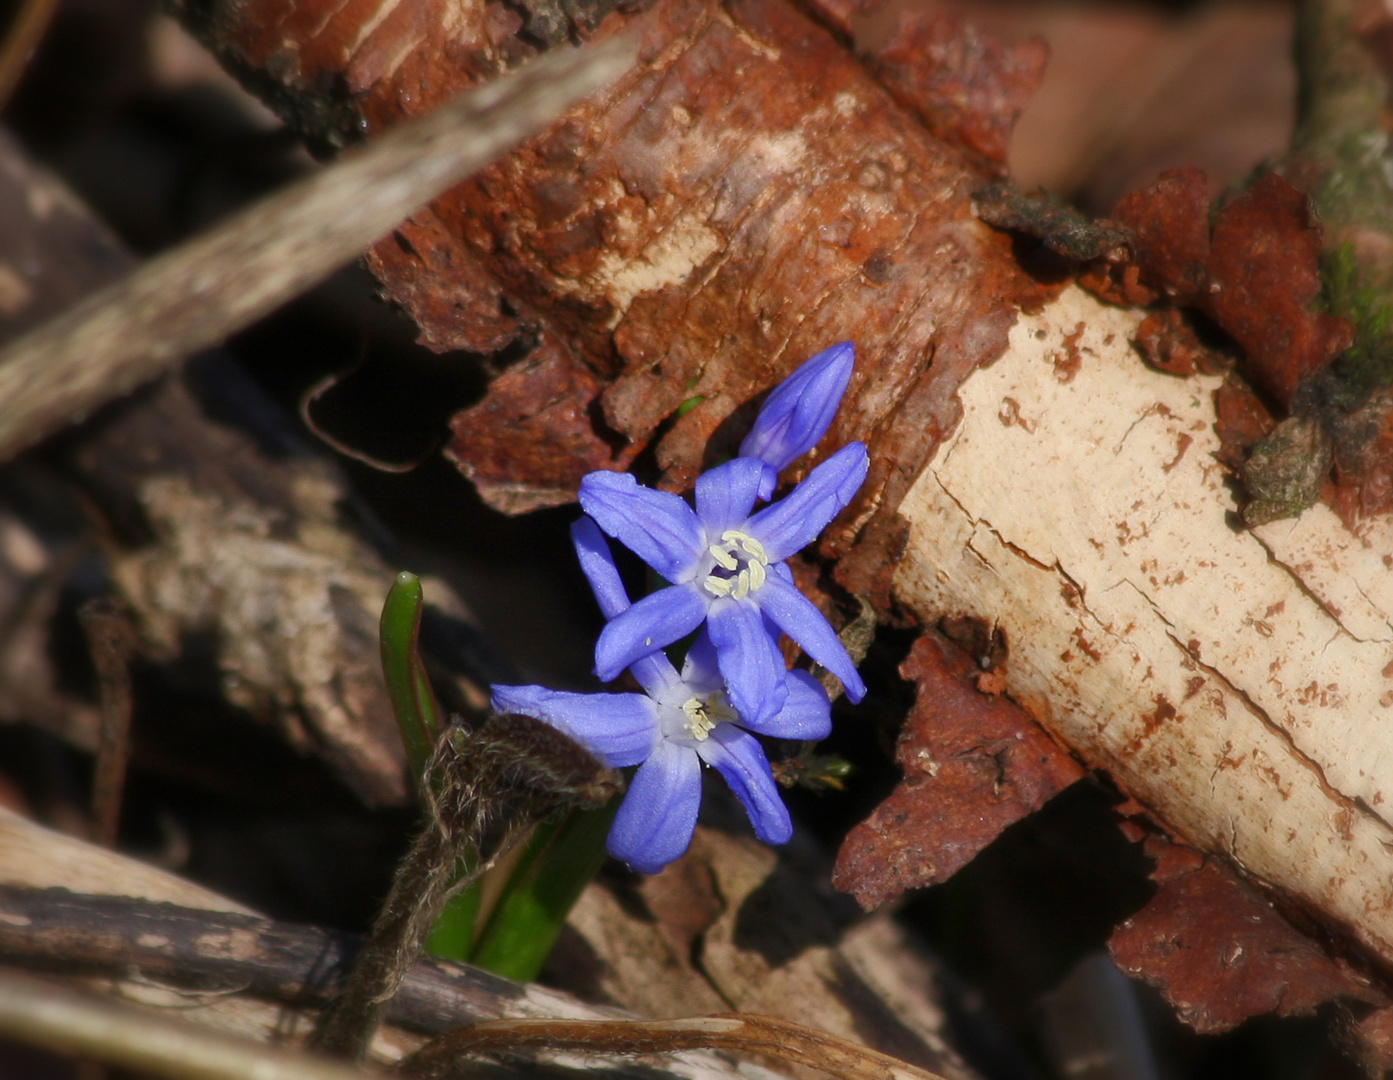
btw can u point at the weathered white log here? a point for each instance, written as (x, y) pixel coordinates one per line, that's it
(1238, 683)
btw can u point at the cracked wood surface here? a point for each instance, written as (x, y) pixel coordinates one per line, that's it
(1238, 683)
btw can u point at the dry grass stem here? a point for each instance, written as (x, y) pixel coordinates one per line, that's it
(742, 1033)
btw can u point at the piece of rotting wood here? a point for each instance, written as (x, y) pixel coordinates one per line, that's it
(201, 292)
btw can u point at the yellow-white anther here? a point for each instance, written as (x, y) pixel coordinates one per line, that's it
(722, 556)
(737, 551)
(699, 724)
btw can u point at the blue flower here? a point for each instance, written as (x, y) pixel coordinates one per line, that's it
(677, 723)
(727, 570)
(798, 412)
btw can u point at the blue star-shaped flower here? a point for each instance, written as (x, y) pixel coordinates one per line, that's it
(677, 723)
(726, 565)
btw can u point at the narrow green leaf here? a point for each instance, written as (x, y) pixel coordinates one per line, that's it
(418, 720)
(413, 702)
(561, 857)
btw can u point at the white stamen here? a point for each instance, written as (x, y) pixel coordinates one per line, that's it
(757, 575)
(718, 586)
(742, 586)
(732, 536)
(754, 547)
(722, 556)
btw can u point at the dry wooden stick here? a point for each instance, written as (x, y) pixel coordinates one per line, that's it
(196, 295)
(41, 1014)
(744, 1033)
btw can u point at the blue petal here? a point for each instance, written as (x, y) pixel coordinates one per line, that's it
(654, 673)
(795, 615)
(701, 670)
(749, 659)
(655, 822)
(657, 620)
(657, 526)
(739, 758)
(726, 494)
(807, 714)
(768, 481)
(798, 411)
(597, 563)
(621, 728)
(793, 522)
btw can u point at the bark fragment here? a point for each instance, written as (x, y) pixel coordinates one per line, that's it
(967, 88)
(734, 924)
(1233, 682)
(974, 763)
(749, 195)
(1256, 272)
(1220, 952)
(1168, 342)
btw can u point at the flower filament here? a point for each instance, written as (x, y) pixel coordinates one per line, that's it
(740, 566)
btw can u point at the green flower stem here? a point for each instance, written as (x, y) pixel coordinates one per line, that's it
(452, 937)
(561, 857)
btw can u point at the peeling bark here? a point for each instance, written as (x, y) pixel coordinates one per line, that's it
(1237, 683)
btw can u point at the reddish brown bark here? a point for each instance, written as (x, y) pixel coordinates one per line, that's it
(1256, 272)
(967, 88)
(748, 196)
(973, 764)
(1220, 952)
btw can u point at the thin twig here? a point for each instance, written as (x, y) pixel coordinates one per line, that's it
(40, 1014)
(201, 292)
(744, 1033)
(110, 638)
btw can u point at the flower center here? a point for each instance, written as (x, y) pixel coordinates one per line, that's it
(704, 713)
(740, 566)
